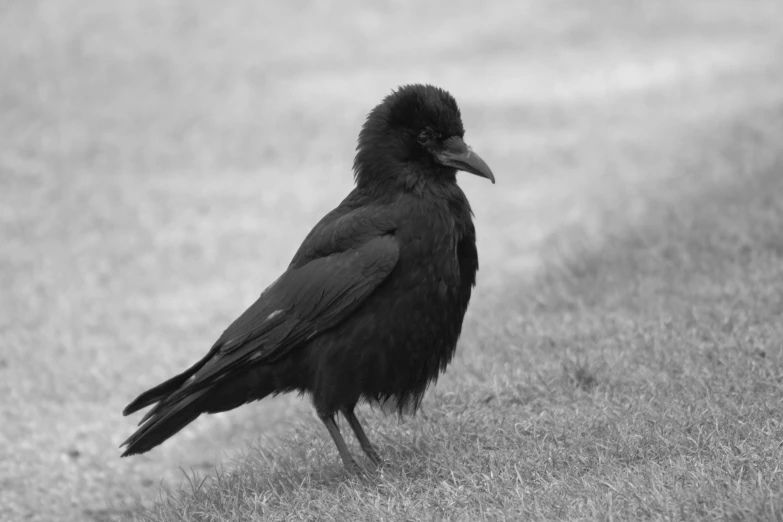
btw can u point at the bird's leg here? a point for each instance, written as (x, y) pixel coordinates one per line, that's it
(342, 449)
(353, 422)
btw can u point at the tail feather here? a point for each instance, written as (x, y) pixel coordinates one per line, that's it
(153, 395)
(167, 417)
(180, 402)
(164, 389)
(165, 421)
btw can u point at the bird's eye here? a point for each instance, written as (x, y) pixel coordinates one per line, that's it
(423, 137)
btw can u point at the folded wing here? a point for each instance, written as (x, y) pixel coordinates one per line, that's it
(340, 263)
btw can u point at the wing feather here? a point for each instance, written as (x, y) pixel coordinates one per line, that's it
(307, 299)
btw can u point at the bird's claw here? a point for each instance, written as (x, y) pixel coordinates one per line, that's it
(376, 459)
(351, 466)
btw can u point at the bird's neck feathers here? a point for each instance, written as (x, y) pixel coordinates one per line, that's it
(378, 173)
(379, 178)
(376, 164)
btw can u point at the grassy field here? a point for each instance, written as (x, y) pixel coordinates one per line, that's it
(640, 381)
(161, 161)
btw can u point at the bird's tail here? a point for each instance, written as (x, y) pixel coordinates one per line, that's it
(163, 421)
(168, 416)
(180, 400)
(163, 390)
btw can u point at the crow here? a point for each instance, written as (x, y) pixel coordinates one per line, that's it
(371, 306)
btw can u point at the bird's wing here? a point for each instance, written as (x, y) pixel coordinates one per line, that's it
(337, 267)
(354, 222)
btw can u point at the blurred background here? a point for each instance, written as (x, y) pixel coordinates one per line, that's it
(161, 160)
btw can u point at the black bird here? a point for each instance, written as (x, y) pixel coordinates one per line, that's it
(371, 306)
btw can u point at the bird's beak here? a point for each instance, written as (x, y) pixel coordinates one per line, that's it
(458, 155)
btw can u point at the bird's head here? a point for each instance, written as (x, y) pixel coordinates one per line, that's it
(414, 135)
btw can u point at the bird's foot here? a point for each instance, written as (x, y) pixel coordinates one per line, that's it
(375, 458)
(351, 466)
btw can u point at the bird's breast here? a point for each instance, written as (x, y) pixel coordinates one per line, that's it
(428, 249)
(406, 331)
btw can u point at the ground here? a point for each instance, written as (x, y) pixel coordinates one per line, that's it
(161, 161)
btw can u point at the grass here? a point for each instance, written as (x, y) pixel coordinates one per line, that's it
(639, 380)
(160, 162)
